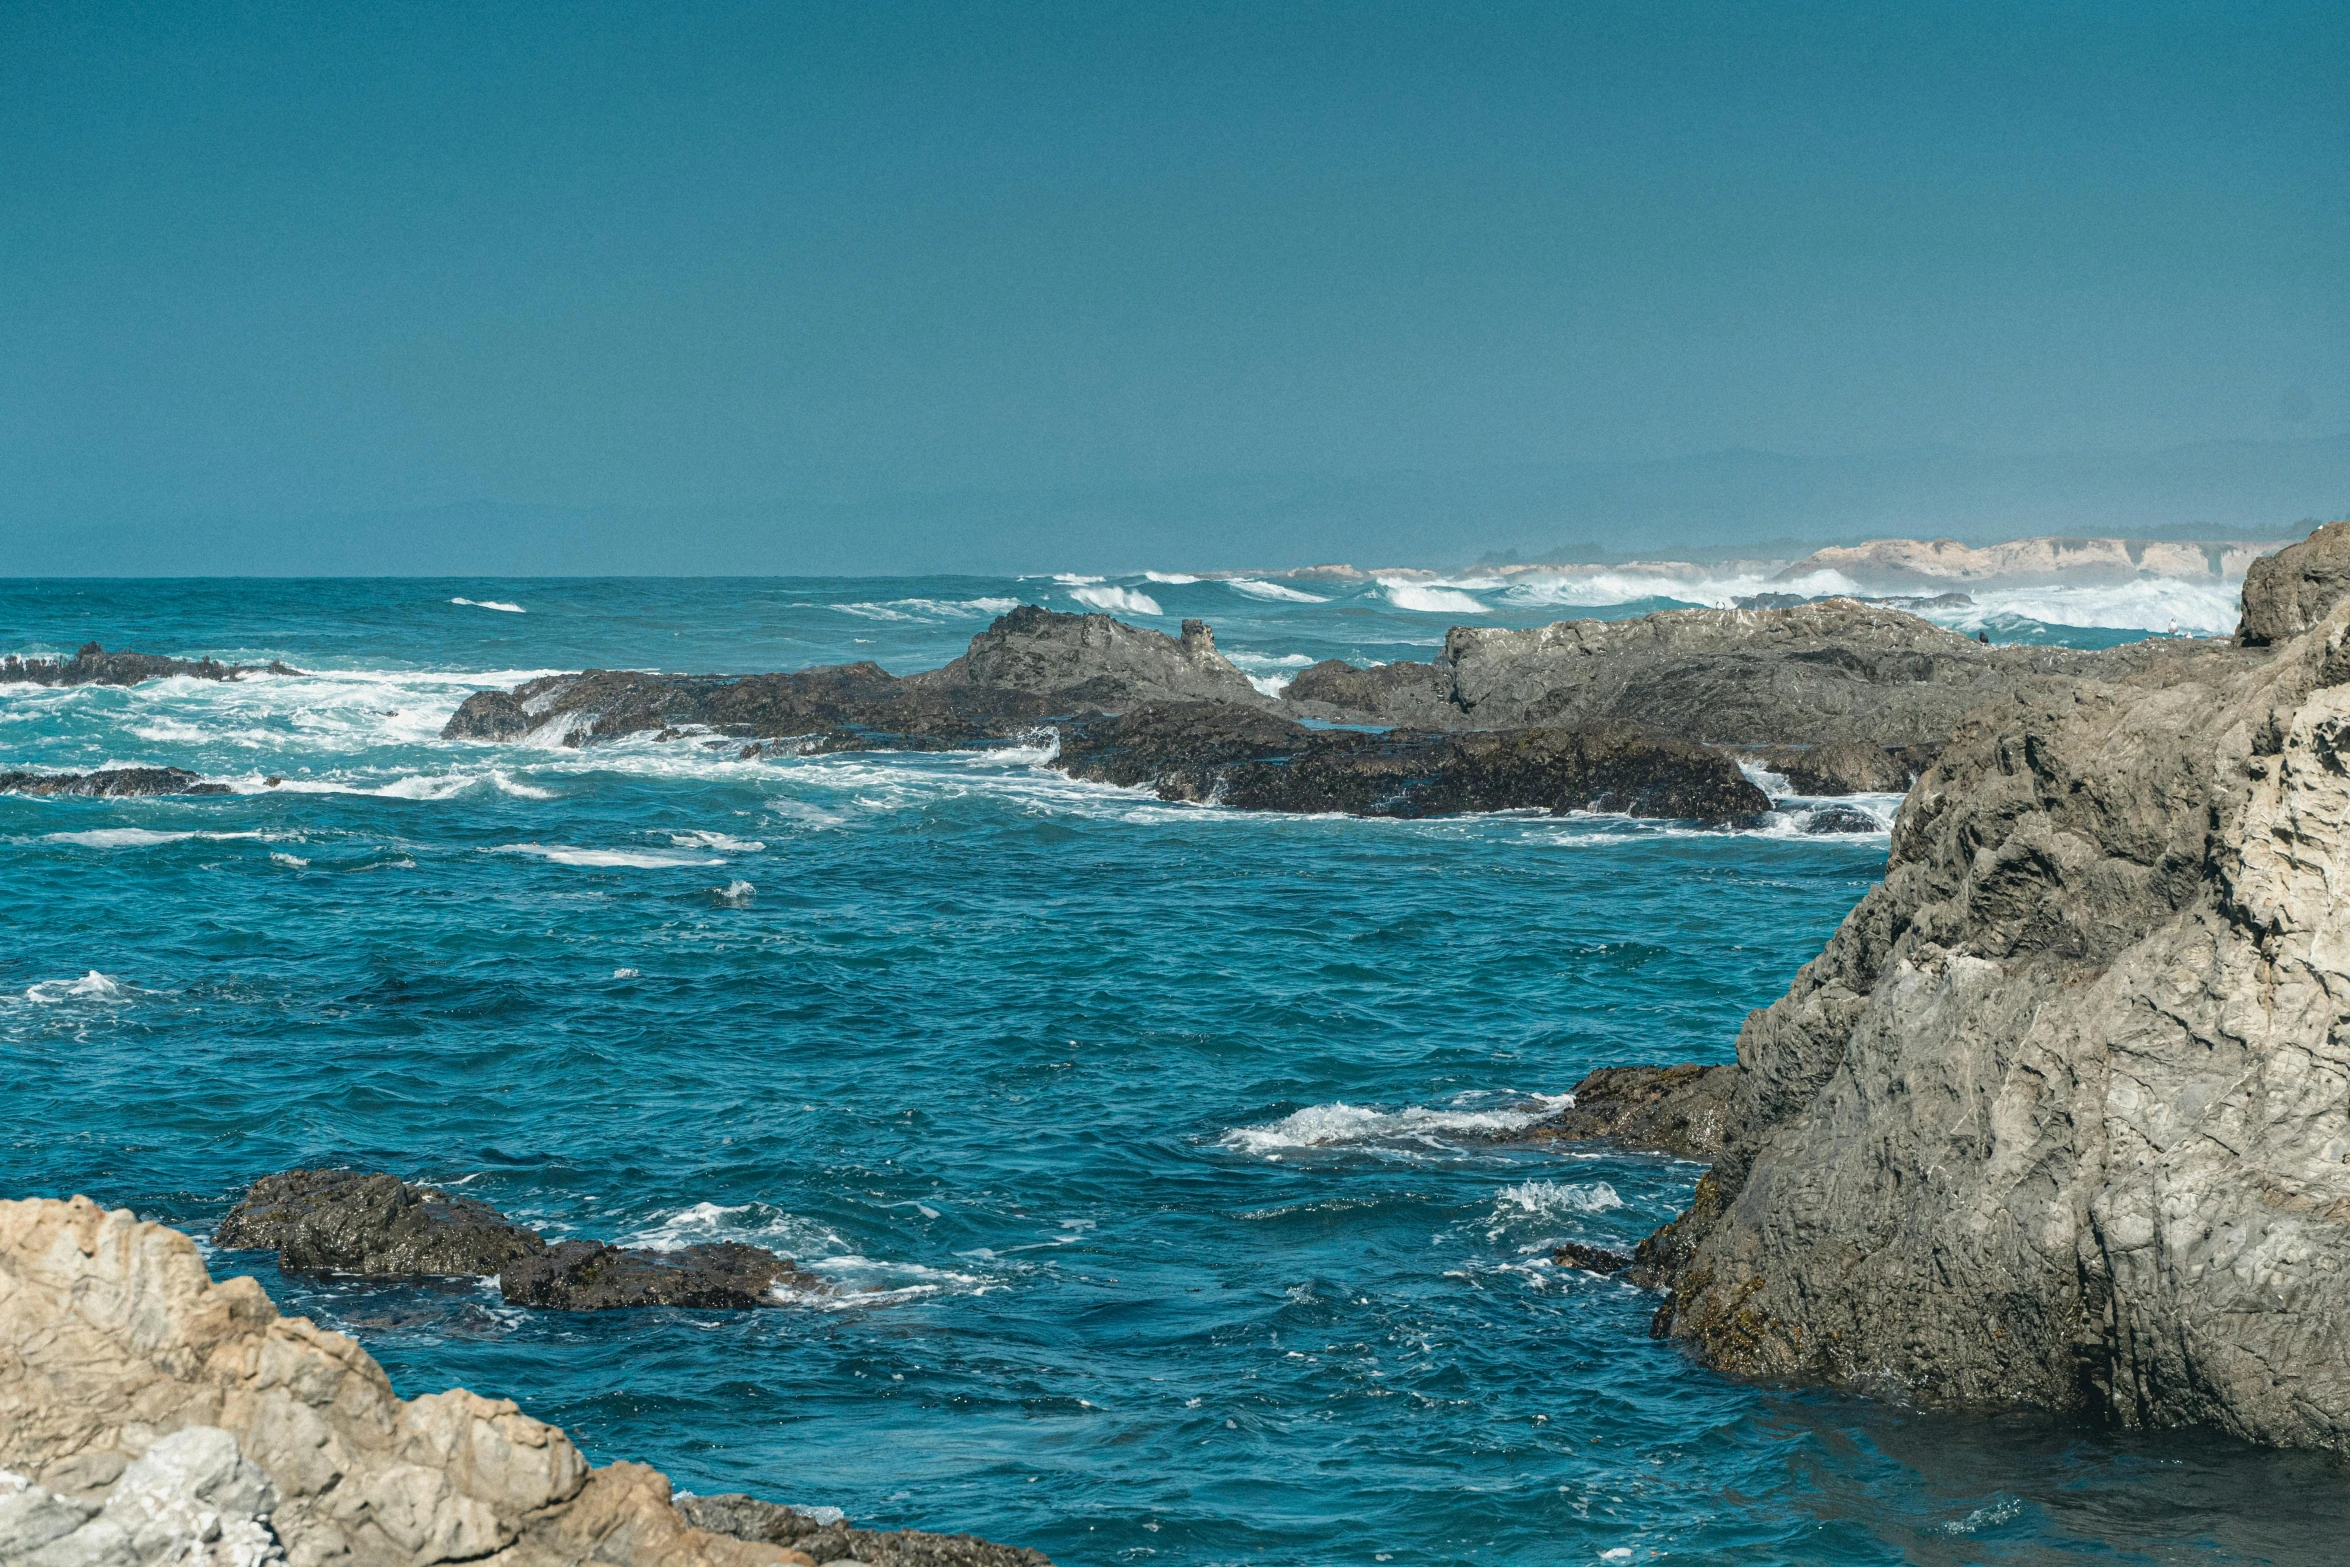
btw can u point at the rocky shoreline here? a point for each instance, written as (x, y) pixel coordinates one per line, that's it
(92, 665)
(151, 1415)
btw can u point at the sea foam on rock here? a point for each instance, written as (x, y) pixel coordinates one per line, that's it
(197, 1425)
(2061, 1116)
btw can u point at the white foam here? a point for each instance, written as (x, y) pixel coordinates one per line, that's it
(622, 859)
(2159, 604)
(1602, 589)
(293, 862)
(1171, 578)
(136, 837)
(721, 842)
(1270, 685)
(929, 610)
(1429, 599)
(1324, 1126)
(1256, 589)
(511, 609)
(1070, 579)
(736, 893)
(1549, 1199)
(92, 986)
(627, 973)
(1123, 600)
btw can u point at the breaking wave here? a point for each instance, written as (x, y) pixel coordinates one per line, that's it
(92, 986)
(619, 859)
(1117, 600)
(1429, 599)
(1273, 591)
(930, 611)
(511, 609)
(1332, 1125)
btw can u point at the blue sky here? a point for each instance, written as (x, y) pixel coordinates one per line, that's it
(271, 269)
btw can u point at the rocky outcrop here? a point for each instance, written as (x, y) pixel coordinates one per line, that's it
(374, 1225)
(94, 666)
(1093, 661)
(2287, 593)
(112, 783)
(592, 1276)
(1213, 752)
(1678, 1110)
(1415, 694)
(2061, 1115)
(1845, 769)
(746, 1518)
(378, 1226)
(138, 1398)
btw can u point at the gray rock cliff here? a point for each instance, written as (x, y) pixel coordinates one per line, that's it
(2288, 592)
(2061, 1115)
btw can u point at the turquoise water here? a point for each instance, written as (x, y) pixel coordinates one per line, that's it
(1139, 1139)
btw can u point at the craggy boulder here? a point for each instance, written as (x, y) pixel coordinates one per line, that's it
(2061, 1116)
(343, 1221)
(1678, 1110)
(2287, 593)
(592, 1276)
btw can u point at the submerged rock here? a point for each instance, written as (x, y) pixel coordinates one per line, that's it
(119, 1350)
(592, 1276)
(112, 783)
(1221, 754)
(343, 1221)
(2287, 593)
(94, 666)
(2059, 1116)
(746, 1518)
(1592, 1259)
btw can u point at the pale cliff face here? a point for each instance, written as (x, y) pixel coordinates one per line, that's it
(2061, 1115)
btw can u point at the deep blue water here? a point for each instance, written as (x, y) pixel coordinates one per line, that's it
(1132, 1135)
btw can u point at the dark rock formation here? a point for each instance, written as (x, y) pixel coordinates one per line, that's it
(111, 783)
(1832, 673)
(743, 1518)
(343, 1221)
(2061, 1116)
(1830, 819)
(2287, 593)
(1220, 753)
(1592, 1259)
(94, 666)
(1030, 665)
(378, 1226)
(1094, 661)
(591, 1276)
(1677, 1110)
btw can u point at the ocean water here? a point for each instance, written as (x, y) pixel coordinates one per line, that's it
(1139, 1141)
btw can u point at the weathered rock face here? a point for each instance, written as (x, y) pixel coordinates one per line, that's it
(2287, 593)
(592, 1276)
(2061, 1116)
(111, 783)
(1094, 661)
(343, 1221)
(94, 666)
(1419, 695)
(113, 1340)
(1846, 768)
(1217, 752)
(746, 1518)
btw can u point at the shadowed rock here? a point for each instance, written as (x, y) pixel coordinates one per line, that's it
(1842, 768)
(1216, 752)
(111, 783)
(592, 1276)
(2287, 593)
(343, 1221)
(746, 1518)
(1677, 1110)
(1094, 661)
(94, 666)
(1594, 1259)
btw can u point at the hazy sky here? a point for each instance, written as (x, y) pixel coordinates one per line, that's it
(288, 262)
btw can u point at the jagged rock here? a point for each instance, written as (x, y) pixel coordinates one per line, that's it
(113, 1338)
(746, 1518)
(191, 1500)
(592, 1276)
(1224, 754)
(1592, 1259)
(1677, 1110)
(1831, 819)
(1400, 693)
(94, 666)
(1837, 768)
(111, 783)
(2287, 593)
(344, 1221)
(1094, 661)
(2059, 1117)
